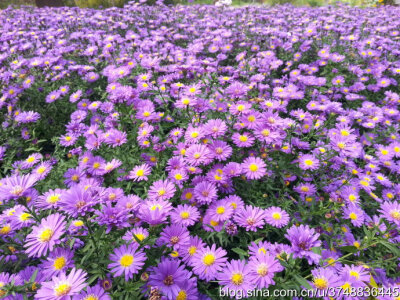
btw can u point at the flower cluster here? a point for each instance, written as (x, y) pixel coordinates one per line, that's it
(163, 152)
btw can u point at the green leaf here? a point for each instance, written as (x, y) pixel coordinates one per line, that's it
(240, 251)
(303, 282)
(348, 249)
(33, 277)
(317, 250)
(392, 248)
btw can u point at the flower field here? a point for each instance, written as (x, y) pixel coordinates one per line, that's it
(154, 152)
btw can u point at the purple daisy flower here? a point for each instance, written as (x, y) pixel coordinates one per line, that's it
(77, 201)
(235, 276)
(57, 262)
(93, 293)
(208, 261)
(168, 276)
(174, 236)
(303, 239)
(391, 212)
(262, 269)
(16, 186)
(135, 234)
(45, 236)
(324, 279)
(140, 173)
(355, 214)
(161, 190)
(253, 168)
(250, 217)
(127, 260)
(154, 212)
(205, 192)
(63, 286)
(185, 215)
(276, 217)
(308, 162)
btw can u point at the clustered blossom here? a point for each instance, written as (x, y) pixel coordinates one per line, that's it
(159, 151)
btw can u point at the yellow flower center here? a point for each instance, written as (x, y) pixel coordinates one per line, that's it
(53, 198)
(59, 263)
(355, 274)
(243, 138)
(126, 260)
(140, 173)
(41, 170)
(161, 192)
(78, 223)
(178, 176)
(194, 134)
(395, 214)
(139, 236)
(192, 250)
(46, 235)
(209, 259)
(308, 162)
(5, 230)
(91, 297)
(346, 287)
(25, 216)
(214, 223)
(276, 216)
(262, 250)
(353, 216)
(304, 189)
(265, 132)
(341, 145)
(155, 206)
(262, 270)
(185, 215)
(240, 107)
(220, 210)
(96, 165)
(320, 283)
(237, 278)
(181, 295)
(62, 289)
(253, 167)
(30, 159)
(352, 198)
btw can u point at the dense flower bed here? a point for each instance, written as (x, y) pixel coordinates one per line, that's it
(167, 153)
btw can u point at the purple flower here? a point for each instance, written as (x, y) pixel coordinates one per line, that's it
(168, 276)
(185, 215)
(57, 262)
(161, 190)
(250, 217)
(276, 217)
(391, 212)
(45, 236)
(253, 168)
(127, 260)
(303, 239)
(208, 261)
(63, 286)
(174, 236)
(262, 268)
(235, 276)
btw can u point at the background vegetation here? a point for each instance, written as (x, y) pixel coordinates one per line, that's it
(120, 3)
